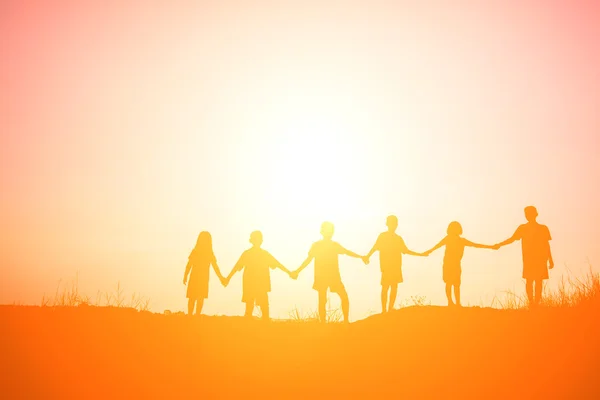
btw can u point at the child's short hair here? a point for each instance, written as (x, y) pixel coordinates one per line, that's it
(455, 228)
(531, 211)
(391, 220)
(256, 237)
(327, 228)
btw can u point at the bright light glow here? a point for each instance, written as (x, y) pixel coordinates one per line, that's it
(130, 129)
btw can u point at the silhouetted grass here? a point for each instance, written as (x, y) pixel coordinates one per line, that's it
(571, 292)
(415, 301)
(334, 315)
(69, 296)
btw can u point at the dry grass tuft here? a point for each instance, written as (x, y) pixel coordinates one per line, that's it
(571, 292)
(69, 296)
(334, 315)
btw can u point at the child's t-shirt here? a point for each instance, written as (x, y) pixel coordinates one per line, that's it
(256, 263)
(325, 253)
(534, 242)
(391, 246)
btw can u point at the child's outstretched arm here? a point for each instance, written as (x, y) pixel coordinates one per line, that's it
(437, 246)
(237, 267)
(277, 264)
(370, 253)
(218, 271)
(308, 260)
(406, 250)
(414, 253)
(350, 253)
(516, 236)
(480, 246)
(188, 268)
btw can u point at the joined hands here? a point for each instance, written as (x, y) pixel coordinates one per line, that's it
(224, 281)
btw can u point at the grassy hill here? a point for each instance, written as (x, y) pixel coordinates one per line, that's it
(416, 352)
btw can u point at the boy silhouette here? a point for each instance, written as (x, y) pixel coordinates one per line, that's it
(391, 246)
(326, 253)
(537, 257)
(256, 283)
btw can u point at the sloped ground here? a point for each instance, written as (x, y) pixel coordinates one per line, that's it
(418, 352)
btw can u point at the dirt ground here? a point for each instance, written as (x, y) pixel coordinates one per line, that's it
(413, 353)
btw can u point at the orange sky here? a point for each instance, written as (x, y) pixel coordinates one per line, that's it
(125, 130)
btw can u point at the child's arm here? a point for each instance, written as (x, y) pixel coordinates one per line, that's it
(237, 267)
(349, 253)
(373, 250)
(277, 264)
(516, 236)
(480, 246)
(550, 260)
(308, 260)
(188, 268)
(406, 250)
(218, 270)
(437, 246)
(414, 253)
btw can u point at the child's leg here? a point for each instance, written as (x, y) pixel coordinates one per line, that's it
(529, 290)
(539, 285)
(393, 293)
(191, 303)
(449, 294)
(199, 305)
(323, 305)
(384, 297)
(264, 309)
(457, 294)
(249, 309)
(345, 304)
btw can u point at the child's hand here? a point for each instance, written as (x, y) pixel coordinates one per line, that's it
(294, 275)
(496, 247)
(185, 280)
(365, 259)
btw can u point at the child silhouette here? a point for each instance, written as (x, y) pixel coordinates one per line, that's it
(391, 246)
(256, 283)
(455, 248)
(199, 262)
(537, 256)
(325, 252)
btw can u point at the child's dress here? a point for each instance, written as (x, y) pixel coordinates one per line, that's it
(452, 270)
(198, 283)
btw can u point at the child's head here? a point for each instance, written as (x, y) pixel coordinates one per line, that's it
(204, 242)
(392, 223)
(327, 230)
(256, 238)
(454, 229)
(531, 213)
